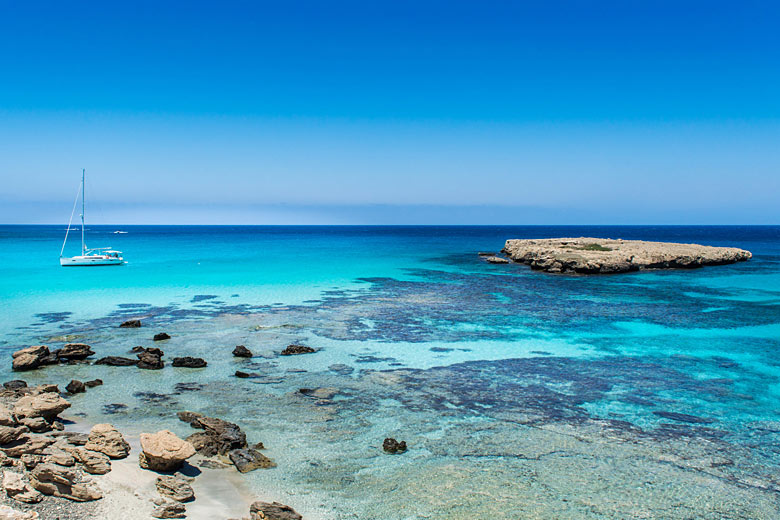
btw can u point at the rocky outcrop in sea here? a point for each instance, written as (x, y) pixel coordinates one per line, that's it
(607, 256)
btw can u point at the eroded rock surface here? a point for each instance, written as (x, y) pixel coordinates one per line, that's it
(272, 511)
(163, 451)
(107, 440)
(605, 256)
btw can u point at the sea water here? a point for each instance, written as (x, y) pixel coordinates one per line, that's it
(520, 394)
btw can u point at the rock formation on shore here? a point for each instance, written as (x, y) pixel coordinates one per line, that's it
(605, 256)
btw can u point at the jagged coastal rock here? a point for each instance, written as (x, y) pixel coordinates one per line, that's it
(606, 256)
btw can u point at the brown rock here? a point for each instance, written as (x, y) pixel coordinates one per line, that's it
(75, 387)
(247, 459)
(175, 488)
(93, 383)
(17, 488)
(54, 480)
(242, 351)
(107, 439)
(36, 424)
(163, 451)
(161, 336)
(30, 358)
(9, 433)
(130, 324)
(47, 405)
(391, 445)
(6, 417)
(93, 461)
(189, 362)
(150, 360)
(27, 444)
(75, 351)
(170, 510)
(116, 361)
(297, 349)
(272, 511)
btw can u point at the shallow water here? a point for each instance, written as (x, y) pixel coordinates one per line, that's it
(520, 394)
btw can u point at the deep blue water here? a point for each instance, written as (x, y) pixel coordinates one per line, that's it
(671, 354)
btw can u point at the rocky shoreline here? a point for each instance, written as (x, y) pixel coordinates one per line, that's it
(586, 255)
(49, 472)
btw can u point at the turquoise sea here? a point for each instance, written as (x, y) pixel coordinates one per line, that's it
(520, 394)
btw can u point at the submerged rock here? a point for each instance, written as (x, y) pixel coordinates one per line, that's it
(75, 387)
(107, 440)
(161, 336)
(132, 324)
(175, 488)
(272, 511)
(391, 445)
(188, 417)
(163, 451)
(93, 383)
(248, 459)
(297, 349)
(189, 362)
(117, 361)
(242, 351)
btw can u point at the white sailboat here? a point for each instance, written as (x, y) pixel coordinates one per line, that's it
(94, 256)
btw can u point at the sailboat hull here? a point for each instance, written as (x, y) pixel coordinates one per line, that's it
(76, 261)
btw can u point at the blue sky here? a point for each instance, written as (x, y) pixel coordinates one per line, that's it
(399, 112)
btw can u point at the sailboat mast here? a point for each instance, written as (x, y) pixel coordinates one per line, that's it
(83, 190)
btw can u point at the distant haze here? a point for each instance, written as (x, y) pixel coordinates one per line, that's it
(394, 113)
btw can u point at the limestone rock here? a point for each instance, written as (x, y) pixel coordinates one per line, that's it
(189, 362)
(27, 444)
(170, 510)
(175, 488)
(272, 511)
(54, 480)
(161, 336)
(495, 260)
(130, 324)
(605, 256)
(60, 457)
(163, 451)
(116, 361)
(21, 491)
(242, 351)
(75, 351)
(107, 439)
(30, 460)
(6, 417)
(247, 459)
(9, 513)
(9, 433)
(297, 349)
(36, 424)
(30, 358)
(75, 387)
(93, 461)
(93, 383)
(47, 405)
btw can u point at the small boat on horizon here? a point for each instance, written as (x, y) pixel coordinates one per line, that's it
(93, 256)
